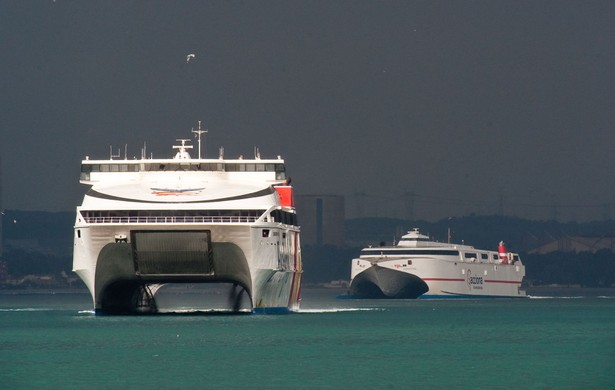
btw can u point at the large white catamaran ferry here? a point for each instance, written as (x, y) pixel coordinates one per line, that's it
(419, 267)
(147, 223)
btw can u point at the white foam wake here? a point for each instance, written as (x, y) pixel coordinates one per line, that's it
(25, 309)
(544, 297)
(337, 310)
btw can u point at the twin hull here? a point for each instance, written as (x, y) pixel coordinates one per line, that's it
(434, 277)
(123, 265)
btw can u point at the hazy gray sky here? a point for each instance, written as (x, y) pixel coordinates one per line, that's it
(473, 106)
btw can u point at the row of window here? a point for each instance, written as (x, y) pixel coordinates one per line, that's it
(284, 217)
(137, 216)
(170, 213)
(415, 239)
(485, 256)
(215, 167)
(434, 252)
(413, 252)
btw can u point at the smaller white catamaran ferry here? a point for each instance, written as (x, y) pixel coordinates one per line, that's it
(419, 267)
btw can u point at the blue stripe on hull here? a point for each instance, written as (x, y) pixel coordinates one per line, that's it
(459, 296)
(271, 310)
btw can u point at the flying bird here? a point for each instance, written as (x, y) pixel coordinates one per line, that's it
(189, 56)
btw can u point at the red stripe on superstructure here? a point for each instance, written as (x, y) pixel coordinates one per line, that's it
(502, 281)
(463, 280)
(292, 290)
(444, 279)
(292, 282)
(298, 263)
(298, 291)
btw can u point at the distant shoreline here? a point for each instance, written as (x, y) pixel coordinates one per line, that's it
(551, 290)
(50, 291)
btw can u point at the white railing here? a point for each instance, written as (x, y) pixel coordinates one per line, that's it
(184, 219)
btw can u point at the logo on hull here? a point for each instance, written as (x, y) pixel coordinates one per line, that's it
(475, 282)
(176, 192)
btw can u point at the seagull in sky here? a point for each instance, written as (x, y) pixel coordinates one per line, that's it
(189, 56)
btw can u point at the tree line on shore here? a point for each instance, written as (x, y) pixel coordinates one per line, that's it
(30, 267)
(322, 264)
(584, 269)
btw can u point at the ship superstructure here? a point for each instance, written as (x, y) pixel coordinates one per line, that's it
(147, 222)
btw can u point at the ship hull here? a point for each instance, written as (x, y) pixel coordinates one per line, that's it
(381, 282)
(124, 275)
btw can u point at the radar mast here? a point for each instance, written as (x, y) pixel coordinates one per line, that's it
(199, 132)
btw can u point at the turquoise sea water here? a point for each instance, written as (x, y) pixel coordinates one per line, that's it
(54, 341)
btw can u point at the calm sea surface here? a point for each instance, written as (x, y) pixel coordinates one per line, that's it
(54, 341)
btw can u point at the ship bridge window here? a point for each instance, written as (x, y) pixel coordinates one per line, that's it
(87, 168)
(279, 169)
(280, 172)
(484, 256)
(414, 239)
(155, 167)
(411, 252)
(211, 167)
(174, 167)
(252, 167)
(132, 167)
(148, 167)
(284, 217)
(470, 256)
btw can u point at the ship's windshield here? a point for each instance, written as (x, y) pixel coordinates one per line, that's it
(413, 252)
(414, 239)
(279, 169)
